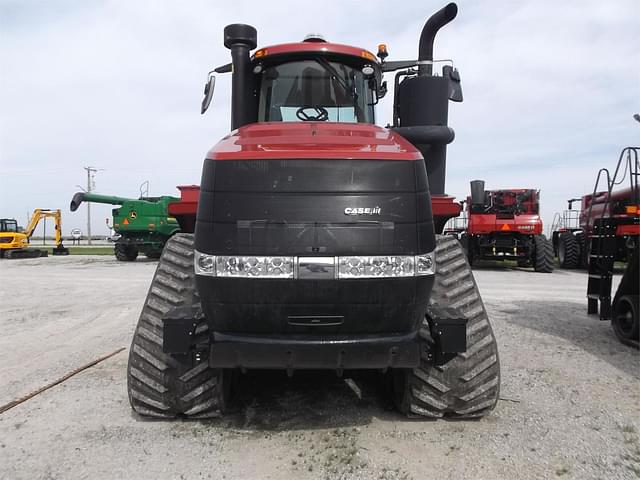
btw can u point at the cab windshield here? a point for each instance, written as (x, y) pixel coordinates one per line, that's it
(8, 226)
(315, 90)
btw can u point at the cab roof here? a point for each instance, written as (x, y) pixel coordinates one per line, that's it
(314, 47)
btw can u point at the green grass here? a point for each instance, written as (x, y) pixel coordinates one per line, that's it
(106, 250)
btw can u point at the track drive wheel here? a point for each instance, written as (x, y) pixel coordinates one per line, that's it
(125, 253)
(543, 254)
(468, 385)
(167, 385)
(568, 250)
(625, 322)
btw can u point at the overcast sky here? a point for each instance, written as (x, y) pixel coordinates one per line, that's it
(550, 89)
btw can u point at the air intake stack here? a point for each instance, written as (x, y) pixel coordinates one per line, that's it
(240, 39)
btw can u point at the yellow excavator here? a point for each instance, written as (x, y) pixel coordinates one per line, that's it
(15, 243)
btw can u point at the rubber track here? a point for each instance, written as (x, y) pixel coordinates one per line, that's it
(543, 261)
(571, 250)
(160, 384)
(467, 386)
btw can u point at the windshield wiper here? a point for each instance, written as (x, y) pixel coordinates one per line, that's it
(334, 73)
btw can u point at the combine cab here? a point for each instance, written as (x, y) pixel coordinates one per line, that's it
(317, 240)
(506, 225)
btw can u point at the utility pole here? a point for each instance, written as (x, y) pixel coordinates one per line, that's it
(90, 172)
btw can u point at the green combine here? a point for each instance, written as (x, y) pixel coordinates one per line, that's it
(144, 224)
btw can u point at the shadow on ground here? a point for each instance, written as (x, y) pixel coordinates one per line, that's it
(569, 321)
(267, 400)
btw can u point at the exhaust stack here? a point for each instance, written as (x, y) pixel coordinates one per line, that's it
(240, 39)
(422, 103)
(435, 23)
(477, 192)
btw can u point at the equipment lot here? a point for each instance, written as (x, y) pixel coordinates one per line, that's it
(569, 401)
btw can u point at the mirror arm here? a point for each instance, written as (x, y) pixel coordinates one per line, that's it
(397, 65)
(224, 68)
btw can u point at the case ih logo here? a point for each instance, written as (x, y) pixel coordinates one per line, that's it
(362, 211)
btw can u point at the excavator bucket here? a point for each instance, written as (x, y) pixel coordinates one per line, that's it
(60, 250)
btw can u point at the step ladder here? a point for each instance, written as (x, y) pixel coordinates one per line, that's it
(602, 252)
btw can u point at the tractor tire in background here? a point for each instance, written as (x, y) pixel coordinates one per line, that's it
(153, 254)
(568, 250)
(168, 385)
(625, 320)
(468, 385)
(467, 248)
(125, 253)
(583, 247)
(542, 254)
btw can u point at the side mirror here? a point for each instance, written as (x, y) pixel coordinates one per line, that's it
(208, 92)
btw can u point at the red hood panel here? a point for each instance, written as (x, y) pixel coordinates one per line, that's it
(279, 140)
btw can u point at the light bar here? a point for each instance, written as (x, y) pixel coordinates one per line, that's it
(347, 267)
(376, 267)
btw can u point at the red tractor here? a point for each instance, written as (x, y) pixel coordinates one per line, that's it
(315, 242)
(610, 221)
(506, 225)
(571, 231)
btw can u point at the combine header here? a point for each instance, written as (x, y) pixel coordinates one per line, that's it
(317, 240)
(506, 225)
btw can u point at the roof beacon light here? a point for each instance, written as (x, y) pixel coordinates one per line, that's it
(382, 52)
(315, 37)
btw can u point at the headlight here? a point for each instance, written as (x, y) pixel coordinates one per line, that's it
(265, 267)
(374, 267)
(349, 267)
(204, 264)
(243, 266)
(426, 264)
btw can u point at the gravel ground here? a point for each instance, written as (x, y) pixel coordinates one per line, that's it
(569, 403)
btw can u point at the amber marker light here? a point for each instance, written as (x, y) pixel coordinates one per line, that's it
(382, 51)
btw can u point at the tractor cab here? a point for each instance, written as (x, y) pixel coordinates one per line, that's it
(508, 203)
(308, 81)
(303, 84)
